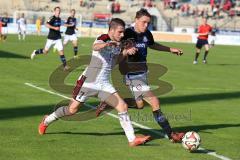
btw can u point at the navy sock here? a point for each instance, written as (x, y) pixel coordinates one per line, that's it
(196, 56)
(205, 55)
(163, 122)
(75, 49)
(39, 51)
(63, 59)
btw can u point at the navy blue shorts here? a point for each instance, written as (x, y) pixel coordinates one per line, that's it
(201, 42)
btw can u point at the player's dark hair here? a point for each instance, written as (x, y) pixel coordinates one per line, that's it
(142, 12)
(116, 22)
(73, 10)
(56, 8)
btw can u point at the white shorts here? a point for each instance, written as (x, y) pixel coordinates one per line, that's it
(137, 84)
(4, 30)
(67, 38)
(57, 44)
(100, 89)
(22, 29)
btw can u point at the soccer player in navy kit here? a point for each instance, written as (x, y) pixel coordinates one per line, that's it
(136, 80)
(5, 21)
(70, 34)
(54, 38)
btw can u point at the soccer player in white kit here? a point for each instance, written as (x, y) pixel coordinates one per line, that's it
(22, 25)
(95, 81)
(70, 34)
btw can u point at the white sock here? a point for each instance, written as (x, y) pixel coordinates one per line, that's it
(52, 117)
(24, 36)
(127, 126)
(19, 36)
(60, 112)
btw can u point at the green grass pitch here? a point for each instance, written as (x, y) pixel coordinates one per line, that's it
(204, 98)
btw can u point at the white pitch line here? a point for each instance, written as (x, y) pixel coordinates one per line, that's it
(214, 154)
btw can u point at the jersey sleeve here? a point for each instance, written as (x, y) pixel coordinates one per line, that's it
(50, 20)
(102, 38)
(67, 21)
(150, 38)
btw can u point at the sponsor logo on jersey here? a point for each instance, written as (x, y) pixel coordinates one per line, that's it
(141, 45)
(145, 39)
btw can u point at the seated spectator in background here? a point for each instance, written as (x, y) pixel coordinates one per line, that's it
(147, 4)
(81, 3)
(166, 4)
(173, 4)
(215, 12)
(117, 7)
(113, 7)
(231, 13)
(212, 4)
(227, 5)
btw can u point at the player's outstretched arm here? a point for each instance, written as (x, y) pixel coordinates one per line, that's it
(100, 45)
(159, 47)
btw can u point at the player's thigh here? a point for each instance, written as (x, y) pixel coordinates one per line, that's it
(206, 46)
(74, 39)
(59, 46)
(4, 30)
(117, 102)
(138, 85)
(48, 44)
(66, 39)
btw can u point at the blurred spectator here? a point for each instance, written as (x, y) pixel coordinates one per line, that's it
(212, 3)
(117, 7)
(227, 5)
(173, 4)
(231, 13)
(148, 4)
(112, 7)
(166, 4)
(81, 3)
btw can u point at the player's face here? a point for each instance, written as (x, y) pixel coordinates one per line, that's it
(141, 24)
(72, 13)
(117, 33)
(57, 12)
(204, 21)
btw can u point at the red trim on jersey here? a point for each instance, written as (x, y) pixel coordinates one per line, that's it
(104, 37)
(0, 27)
(204, 29)
(78, 86)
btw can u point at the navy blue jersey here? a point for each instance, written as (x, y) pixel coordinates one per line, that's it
(71, 21)
(55, 22)
(142, 40)
(137, 63)
(5, 21)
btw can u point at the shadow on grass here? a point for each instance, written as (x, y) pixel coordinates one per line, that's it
(4, 54)
(200, 98)
(225, 64)
(20, 112)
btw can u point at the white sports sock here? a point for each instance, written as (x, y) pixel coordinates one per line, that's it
(60, 112)
(24, 35)
(127, 126)
(19, 36)
(52, 117)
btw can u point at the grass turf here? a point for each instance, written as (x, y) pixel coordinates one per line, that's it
(205, 98)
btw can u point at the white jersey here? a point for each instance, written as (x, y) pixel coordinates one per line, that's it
(98, 73)
(104, 60)
(21, 21)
